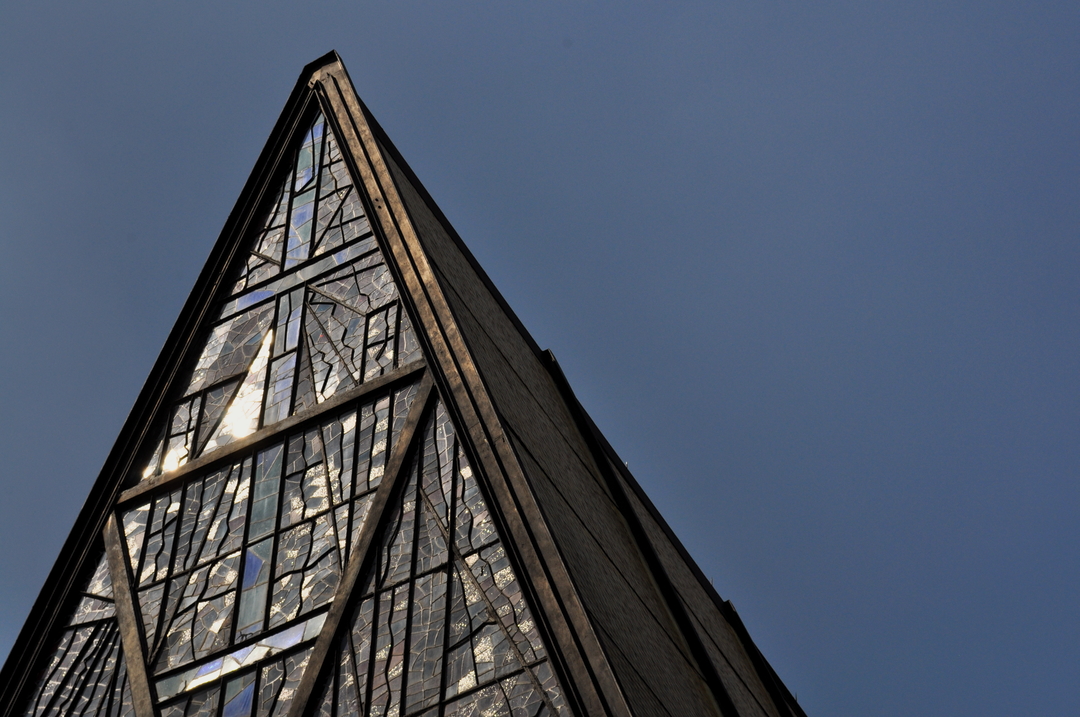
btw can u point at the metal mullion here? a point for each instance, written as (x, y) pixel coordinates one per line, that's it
(334, 346)
(355, 464)
(451, 519)
(222, 318)
(169, 572)
(284, 476)
(478, 687)
(284, 273)
(198, 441)
(334, 686)
(399, 333)
(159, 620)
(363, 552)
(186, 497)
(424, 574)
(246, 642)
(421, 440)
(337, 213)
(90, 687)
(130, 638)
(35, 703)
(143, 557)
(338, 301)
(96, 657)
(115, 681)
(197, 562)
(364, 343)
(354, 493)
(374, 648)
(269, 363)
(341, 205)
(194, 414)
(219, 707)
(290, 187)
(226, 452)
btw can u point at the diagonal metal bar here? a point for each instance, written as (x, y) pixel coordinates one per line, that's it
(380, 508)
(375, 384)
(134, 657)
(270, 259)
(339, 302)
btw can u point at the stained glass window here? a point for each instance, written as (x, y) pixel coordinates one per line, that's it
(442, 626)
(314, 312)
(238, 565)
(300, 405)
(86, 675)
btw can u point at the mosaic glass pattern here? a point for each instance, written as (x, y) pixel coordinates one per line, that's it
(442, 626)
(87, 675)
(265, 691)
(239, 563)
(234, 566)
(314, 313)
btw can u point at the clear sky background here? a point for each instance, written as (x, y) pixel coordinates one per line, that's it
(813, 268)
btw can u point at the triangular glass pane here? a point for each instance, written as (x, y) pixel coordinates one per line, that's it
(235, 567)
(442, 626)
(314, 312)
(87, 675)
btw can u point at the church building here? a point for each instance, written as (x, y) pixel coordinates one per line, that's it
(354, 486)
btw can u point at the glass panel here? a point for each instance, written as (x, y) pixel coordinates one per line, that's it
(266, 691)
(442, 626)
(267, 646)
(87, 676)
(239, 563)
(314, 312)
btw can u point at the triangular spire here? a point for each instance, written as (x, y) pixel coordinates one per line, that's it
(312, 313)
(353, 485)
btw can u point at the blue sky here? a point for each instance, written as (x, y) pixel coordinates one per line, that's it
(813, 269)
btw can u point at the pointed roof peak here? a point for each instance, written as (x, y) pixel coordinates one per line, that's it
(344, 370)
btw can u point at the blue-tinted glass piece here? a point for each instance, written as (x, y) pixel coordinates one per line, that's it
(209, 667)
(239, 693)
(286, 638)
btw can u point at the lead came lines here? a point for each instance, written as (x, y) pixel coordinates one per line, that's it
(399, 639)
(235, 560)
(184, 534)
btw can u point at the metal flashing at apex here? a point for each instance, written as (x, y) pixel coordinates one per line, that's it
(354, 485)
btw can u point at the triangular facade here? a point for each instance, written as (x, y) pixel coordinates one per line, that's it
(353, 485)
